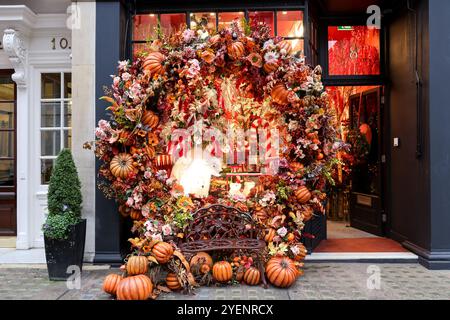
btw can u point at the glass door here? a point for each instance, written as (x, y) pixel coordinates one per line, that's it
(7, 154)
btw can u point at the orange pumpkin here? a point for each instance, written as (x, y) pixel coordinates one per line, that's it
(281, 271)
(285, 45)
(301, 254)
(149, 118)
(137, 265)
(111, 282)
(172, 282)
(214, 39)
(302, 194)
(150, 151)
(236, 50)
(270, 66)
(208, 56)
(279, 94)
(252, 276)
(222, 271)
(124, 210)
(152, 139)
(270, 234)
(240, 274)
(307, 214)
(204, 259)
(153, 63)
(135, 214)
(162, 252)
(121, 165)
(138, 287)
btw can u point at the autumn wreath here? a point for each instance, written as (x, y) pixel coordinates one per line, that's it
(233, 79)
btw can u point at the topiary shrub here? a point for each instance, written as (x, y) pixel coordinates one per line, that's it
(64, 198)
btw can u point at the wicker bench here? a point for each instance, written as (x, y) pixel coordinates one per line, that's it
(218, 227)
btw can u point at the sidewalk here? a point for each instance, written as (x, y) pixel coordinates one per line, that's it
(321, 281)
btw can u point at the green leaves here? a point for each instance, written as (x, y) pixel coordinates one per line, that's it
(64, 197)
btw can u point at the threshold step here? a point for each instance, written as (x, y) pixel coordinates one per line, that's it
(362, 257)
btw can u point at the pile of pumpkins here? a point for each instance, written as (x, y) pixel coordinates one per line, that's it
(280, 271)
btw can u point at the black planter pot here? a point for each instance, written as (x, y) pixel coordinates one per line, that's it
(61, 254)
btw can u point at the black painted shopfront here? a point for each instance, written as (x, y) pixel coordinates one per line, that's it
(410, 198)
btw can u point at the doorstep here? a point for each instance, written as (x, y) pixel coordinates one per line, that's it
(7, 242)
(381, 257)
(30, 256)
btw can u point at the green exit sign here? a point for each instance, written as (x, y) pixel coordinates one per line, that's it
(345, 28)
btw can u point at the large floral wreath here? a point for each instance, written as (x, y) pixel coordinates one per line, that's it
(233, 77)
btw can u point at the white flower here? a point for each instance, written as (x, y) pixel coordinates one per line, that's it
(267, 44)
(123, 65)
(147, 174)
(157, 237)
(126, 76)
(282, 231)
(293, 125)
(295, 250)
(271, 57)
(130, 202)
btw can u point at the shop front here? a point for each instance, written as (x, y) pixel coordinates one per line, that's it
(389, 194)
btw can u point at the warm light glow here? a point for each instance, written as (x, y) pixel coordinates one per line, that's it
(193, 24)
(284, 12)
(196, 179)
(152, 14)
(212, 14)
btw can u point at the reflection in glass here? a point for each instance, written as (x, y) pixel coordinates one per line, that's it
(172, 22)
(290, 24)
(51, 86)
(6, 144)
(6, 89)
(50, 142)
(67, 114)
(227, 18)
(297, 46)
(203, 20)
(46, 170)
(144, 26)
(6, 173)
(67, 85)
(67, 139)
(266, 17)
(6, 115)
(50, 114)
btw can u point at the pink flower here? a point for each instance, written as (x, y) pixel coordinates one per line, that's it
(188, 35)
(271, 57)
(116, 81)
(130, 202)
(166, 230)
(123, 65)
(282, 231)
(126, 76)
(157, 237)
(147, 174)
(194, 68)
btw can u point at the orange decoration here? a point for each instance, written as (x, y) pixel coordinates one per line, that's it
(162, 252)
(111, 282)
(135, 214)
(270, 66)
(137, 265)
(281, 272)
(236, 50)
(252, 276)
(285, 45)
(302, 194)
(138, 287)
(222, 271)
(172, 282)
(279, 94)
(207, 56)
(302, 253)
(149, 118)
(202, 258)
(121, 165)
(270, 234)
(153, 63)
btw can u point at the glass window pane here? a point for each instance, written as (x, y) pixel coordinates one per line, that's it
(6, 173)
(226, 18)
(6, 144)
(46, 170)
(140, 49)
(6, 88)
(50, 114)
(67, 114)
(297, 46)
(266, 17)
(50, 142)
(67, 139)
(290, 23)
(353, 50)
(206, 20)
(144, 26)
(51, 85)
(172, 22)
(6, 115)
(67, 85)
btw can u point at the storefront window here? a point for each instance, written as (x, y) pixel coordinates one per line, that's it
(266, 17)
(353, 50)
(227, 18)
(290, 24)
(206, 20)
(56, 119)
(7, 131)
(172, 22)
(145, 26)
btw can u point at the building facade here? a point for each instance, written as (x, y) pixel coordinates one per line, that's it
(55, 60)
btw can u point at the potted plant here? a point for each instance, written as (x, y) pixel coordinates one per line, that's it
(64, 230)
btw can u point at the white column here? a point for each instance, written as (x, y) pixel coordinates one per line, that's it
(15, 47)
(83, 113)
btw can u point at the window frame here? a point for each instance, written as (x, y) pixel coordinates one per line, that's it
(62, 100)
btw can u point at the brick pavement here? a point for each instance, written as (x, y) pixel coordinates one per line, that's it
(321, 281)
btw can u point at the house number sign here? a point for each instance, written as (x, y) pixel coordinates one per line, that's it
(63, 44)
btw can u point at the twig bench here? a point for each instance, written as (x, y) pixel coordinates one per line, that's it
(218, 227)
